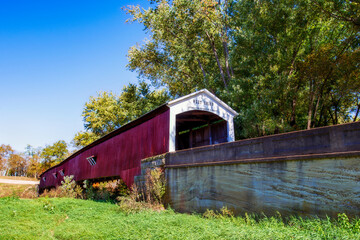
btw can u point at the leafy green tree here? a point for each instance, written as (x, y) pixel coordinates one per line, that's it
(282, 64)
(53, 154)
(188, 47)
(84, 138)
(344, 11)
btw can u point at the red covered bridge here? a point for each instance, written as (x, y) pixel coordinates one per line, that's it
(194, 120)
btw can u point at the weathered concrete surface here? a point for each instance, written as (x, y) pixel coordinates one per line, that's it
(311, 187)
(149, 164)
(340, 140)
(314, 172)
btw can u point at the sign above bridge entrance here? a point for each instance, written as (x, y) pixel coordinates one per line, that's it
(202, 100)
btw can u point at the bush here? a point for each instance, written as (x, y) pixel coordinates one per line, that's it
(148, 195)
(153, 190)
(105, 191)
(69, 188)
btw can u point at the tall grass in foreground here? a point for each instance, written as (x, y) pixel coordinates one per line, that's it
(14, 190)
(65, 218)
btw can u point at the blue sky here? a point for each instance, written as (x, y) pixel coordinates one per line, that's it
(54, 55)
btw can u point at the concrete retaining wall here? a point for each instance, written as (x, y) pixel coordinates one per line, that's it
(314, 172)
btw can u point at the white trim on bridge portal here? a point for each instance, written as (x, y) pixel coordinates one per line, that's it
(202, 100)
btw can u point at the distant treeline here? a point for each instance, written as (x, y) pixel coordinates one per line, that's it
(33, 161)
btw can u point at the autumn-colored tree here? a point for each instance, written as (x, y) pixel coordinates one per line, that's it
(33, 161)
(5, 153)
(17, 165)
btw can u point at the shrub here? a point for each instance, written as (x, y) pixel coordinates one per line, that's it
(105, 191)
(68, 188)
(148, 195)
(153, 190)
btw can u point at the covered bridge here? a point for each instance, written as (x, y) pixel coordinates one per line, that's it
(194, 120)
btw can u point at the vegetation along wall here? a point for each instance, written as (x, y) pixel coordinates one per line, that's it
(312, 172)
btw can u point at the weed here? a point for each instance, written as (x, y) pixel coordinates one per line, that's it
(148, 195)
(223, 214)
(30, 192)
(210, 214)
(153, 190)
(14, 190)
(53, 193)
(48, 206)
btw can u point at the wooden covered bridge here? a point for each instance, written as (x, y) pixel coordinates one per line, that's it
(197, 119)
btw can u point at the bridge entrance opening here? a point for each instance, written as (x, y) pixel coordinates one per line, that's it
(199, 128)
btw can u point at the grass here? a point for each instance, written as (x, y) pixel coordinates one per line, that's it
(65, 218)
(68, 218)
(13, 189)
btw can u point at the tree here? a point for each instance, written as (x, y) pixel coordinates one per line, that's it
(344, 11)
(5, 153)
(53, 154)
(17, 165)
(188, 45)
(107, 112)
(283, 64)
(291, 59)
(33, 161)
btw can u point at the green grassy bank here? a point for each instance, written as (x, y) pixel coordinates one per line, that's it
(64, 218)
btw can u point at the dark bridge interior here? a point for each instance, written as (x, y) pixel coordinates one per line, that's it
(199, 128)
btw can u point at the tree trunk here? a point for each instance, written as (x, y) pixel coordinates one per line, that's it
(226, 51)
(309, 116)
(229, 68)
(357, 113)
(311, 103)
(201, 67)
(316, 109)
(293, 115)
(293, 107)
(212, 43)
(336, 115)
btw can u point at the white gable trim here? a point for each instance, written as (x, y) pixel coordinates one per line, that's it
(202, 100)
(206, 92)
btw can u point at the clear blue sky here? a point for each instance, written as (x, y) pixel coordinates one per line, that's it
(54, 55)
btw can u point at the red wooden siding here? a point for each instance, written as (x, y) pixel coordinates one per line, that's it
(118, 155)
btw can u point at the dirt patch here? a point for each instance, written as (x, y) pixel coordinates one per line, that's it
(21, 182)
